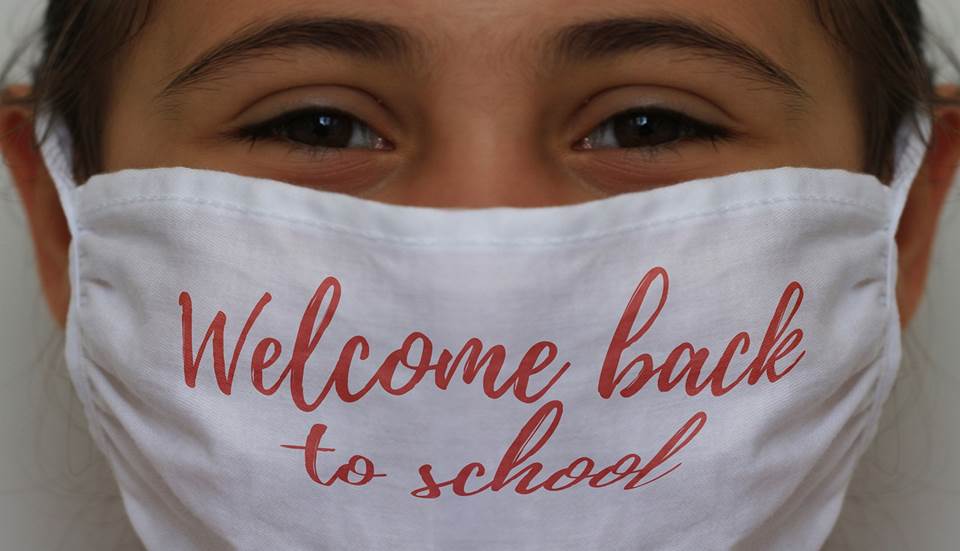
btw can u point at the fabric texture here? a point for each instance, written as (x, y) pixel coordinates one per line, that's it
(698, 366)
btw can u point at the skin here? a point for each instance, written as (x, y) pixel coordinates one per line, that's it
(479, 119)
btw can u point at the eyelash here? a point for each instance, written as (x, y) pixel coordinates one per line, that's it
(273, 130)
(691, 130)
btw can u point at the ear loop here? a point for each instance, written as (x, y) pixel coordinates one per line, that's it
(910, 151)
(56, 152)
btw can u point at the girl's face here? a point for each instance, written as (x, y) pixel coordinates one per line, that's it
(478, 103)
(474, 103)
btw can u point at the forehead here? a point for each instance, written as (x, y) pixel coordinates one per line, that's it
(483, 31)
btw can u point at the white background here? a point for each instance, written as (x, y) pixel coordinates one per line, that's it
(56, 491)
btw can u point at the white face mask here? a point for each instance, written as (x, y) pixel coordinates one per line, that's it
(696, 366)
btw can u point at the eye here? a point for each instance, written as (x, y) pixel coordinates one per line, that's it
(650, 128)
(316, 128)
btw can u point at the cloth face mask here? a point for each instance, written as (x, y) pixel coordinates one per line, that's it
(697, 366)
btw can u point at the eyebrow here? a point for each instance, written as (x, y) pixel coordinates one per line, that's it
(359, 38)
(595, 40)
(577, 43)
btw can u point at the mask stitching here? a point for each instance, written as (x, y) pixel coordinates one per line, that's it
(77, 349)
(893, 343)
(99, 208)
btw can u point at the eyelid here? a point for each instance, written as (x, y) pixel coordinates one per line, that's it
(702, 131)
(263, 130)
(291, 115)
(358, 103)
(600, 106)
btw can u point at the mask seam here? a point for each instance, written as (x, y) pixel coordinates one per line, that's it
(337, 228)
(893, 346)
(893, 343)
(81, 380)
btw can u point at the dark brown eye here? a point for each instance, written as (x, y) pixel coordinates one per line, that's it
(648, 128)
(326, 128)
(645, 129)
(319, 129)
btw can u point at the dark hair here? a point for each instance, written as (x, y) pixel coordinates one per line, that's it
(884, 39)
(82, 41)
(885, 45)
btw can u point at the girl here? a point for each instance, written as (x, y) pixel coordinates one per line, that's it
(644, 263)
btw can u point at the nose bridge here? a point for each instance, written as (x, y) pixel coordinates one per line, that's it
(487, 163)
(482, 140)
(486, 149)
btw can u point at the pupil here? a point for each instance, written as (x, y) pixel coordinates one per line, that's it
(323, 130)
(645, 130)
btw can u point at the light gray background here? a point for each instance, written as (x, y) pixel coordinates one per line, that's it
(56, 491)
